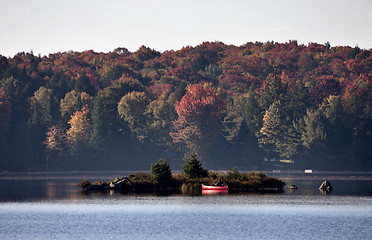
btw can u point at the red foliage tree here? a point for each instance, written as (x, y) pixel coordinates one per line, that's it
(199, 113)
(324, 87)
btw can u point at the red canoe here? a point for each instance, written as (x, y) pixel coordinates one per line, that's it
(206, 187)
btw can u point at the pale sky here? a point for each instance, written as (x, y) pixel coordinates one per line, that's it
(50, 26)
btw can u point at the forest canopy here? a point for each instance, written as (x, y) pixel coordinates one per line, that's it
(309, 106)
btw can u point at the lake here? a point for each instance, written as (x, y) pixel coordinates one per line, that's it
(52, 206)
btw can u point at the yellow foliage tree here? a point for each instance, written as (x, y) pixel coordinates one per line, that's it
(80, 128)
(55, 138)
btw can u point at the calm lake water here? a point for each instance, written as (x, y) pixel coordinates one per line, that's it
(52, 206)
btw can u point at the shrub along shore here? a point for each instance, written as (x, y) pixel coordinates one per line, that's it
(189, 181)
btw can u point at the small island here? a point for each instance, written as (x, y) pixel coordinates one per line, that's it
(189, 181)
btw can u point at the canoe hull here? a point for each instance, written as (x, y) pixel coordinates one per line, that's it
(206, 187)
(214, 192)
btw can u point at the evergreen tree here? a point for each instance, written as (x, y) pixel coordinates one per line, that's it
(277, 133)
(246, 146)
(314, 131)
(161, 172)
(251, 112)
(100, 128)
(193, 168)
(273, 90)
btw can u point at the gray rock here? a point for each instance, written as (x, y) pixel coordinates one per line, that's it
(326, 186)
(118, 183)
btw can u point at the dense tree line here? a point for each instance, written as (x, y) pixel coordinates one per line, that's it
(232, 105)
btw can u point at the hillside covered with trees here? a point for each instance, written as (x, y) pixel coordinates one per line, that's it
(232, 105)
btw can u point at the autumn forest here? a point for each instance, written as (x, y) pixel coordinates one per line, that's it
(234, 106)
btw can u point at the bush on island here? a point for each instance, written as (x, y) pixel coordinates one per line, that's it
(85, 183)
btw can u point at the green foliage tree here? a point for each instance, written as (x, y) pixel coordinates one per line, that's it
(72, 102)
(15, 91)
(160, 114)
(107, 127)
(160, 172)
(193, 168)
(12, 87)
(5, 118)
(132, 109)
(41, 106)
